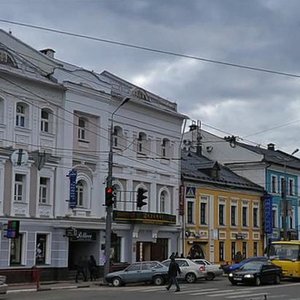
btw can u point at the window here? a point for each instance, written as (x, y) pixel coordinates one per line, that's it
(245, 216)
(255, 216)
(80, 193)
(82, 125)
(16, 250)
(46, 120)
(118, 140)
(233, 214)
(20, 115)
(44, 190)
(163, 202)
(221, 214)
(291, 187)
(282, 185)
(244, 250)
(19, 193)
(41, 249)
(142, 143)
(233, 250)
(190, 212)
(273, 184)
(255, 248)
(165, 146)
(1, 111)
(221, 251)
(203, 209)
(274, 216)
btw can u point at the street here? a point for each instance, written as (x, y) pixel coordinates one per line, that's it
(218, 289)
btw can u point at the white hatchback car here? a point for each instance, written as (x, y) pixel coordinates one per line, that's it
(190, 271)
(213, 270)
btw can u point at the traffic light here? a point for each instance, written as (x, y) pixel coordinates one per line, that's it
(13, 227)
(109, 196)
(140, 197)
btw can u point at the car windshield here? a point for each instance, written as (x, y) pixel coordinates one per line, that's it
(252, 266)
(285, 252)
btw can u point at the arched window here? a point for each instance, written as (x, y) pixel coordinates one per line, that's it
(162, 202)
(81, 193)
(46, 120)
(118, 200)
(22, 115)
(118, 139)
(82, 127)
(196, 252)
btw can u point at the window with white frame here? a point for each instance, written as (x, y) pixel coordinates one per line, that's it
(291, 189)
(142, 143)
(1, 111)
(46, 120)
(82, 129)
(163, 200)
(233, 214)
(244, 216)
(44, 190)
(221, 251)
(17, 250)
(21, 111)
(81, 193)
(19, 190)
(275, 216)
(222, 213)
(255, 216)
(165, 148)
(282, 185)
(190, 212)
(42, 249)
(203, 210)
(118, 140)
(273, 184)
(292, 220)
(244, 249)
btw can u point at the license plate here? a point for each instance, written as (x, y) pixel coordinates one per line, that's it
(238, 279)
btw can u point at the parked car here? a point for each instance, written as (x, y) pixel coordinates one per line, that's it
(212, 270)
(145, 271)
(230, 268)
(3, 285)
(190, 271)
(256, 272)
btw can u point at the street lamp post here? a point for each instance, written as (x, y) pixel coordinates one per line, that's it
(109, 182)
(284, 200)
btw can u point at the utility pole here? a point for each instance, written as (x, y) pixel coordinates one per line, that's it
(285, 201)
(109, 183)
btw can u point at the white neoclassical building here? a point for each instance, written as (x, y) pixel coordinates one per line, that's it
(55, 123)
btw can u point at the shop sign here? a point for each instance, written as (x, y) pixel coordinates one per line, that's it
(84, 235)
(143, 217)
(240, 236)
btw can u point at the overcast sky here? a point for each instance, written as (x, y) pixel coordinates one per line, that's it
(256, 33)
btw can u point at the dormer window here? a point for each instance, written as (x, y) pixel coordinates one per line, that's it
(6, 59)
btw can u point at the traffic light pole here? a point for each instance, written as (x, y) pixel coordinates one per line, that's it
(108, 219)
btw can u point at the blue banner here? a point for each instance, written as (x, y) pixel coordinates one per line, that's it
(73, 189)
(268, 213)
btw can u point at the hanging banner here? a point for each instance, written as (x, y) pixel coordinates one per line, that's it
(268, 213)
(73, 190)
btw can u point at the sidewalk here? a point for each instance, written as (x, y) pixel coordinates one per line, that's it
(47, 286)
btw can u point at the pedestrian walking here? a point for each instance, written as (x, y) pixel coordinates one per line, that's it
(92, 268)
(173, 271)
(80, 269)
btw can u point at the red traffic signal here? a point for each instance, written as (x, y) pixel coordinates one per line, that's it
(109, 196)
(141, 197)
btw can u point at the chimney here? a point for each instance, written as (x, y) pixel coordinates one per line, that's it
(271, 146)
(49, 52)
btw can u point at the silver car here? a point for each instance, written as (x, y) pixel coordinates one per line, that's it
(212, 270)
(190, 271)
(3, 285)
(145, 271)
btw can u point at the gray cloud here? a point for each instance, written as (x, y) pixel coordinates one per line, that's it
(258, 33)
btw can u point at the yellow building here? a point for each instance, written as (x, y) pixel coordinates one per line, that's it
(222, 212)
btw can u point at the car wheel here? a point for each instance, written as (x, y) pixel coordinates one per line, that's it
(158, 280)
(277, 279)
(116, 281)
(190, 278)
(257, 281)
(210, 276)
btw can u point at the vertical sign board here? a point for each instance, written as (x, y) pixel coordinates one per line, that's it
(181, 200)
(73, 190)
(12, 230)
(268, 213)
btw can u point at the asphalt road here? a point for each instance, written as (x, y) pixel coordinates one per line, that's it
(218, 289)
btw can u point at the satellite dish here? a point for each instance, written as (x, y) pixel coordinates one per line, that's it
(19, 157)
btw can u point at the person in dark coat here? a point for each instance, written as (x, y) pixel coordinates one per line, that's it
(80, 269)
(173, 271)
(92, 268)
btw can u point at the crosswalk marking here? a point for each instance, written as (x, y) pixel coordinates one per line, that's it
(226, 293)
(250, 295)
(200, 290)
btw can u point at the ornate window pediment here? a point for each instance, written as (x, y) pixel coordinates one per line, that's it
(139, 93)
(6, 59)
